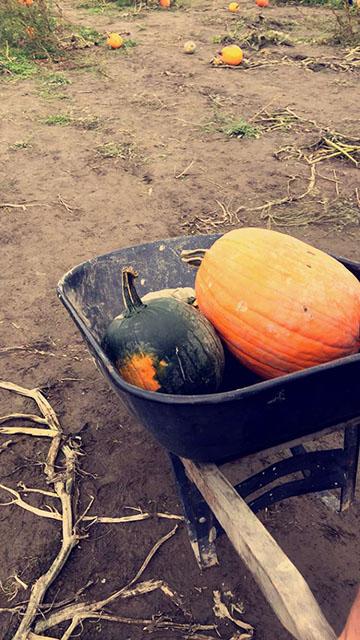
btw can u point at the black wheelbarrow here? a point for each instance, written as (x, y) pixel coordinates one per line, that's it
(246, 416)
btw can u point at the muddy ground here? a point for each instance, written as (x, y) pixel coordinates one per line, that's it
(160, 110)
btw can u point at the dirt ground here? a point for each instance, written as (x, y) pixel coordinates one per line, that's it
(159, 109)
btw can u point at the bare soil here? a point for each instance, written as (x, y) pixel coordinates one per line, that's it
(155, 104)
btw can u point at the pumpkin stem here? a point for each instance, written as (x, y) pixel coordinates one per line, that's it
(131, 299)
(193, 257)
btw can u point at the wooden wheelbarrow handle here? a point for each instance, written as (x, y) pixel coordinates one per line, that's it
(281, 583)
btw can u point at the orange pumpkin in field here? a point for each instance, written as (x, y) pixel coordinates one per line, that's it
(114, 41)
(279, 304)
(232, 54)
(262, 3)
(30, 32)
(165, 4)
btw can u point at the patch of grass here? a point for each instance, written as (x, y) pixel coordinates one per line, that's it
(90, 35)
(96, 7)
(56, 80)
(50, 85)
(129, 44)
(127, 151)
(232, 127)
(240, 128)
(58, 119)
(49, 94)
(65, 119)
(32, 30)
(15, 64)
(125, 4)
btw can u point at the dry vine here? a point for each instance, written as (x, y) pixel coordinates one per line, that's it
(32, 624)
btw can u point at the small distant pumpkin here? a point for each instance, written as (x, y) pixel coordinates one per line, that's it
(262, 3)
(27, 3)
(30, 32)
(189, 47)
(231, 54)
(114, 41)
(233, 7)
(165, 4)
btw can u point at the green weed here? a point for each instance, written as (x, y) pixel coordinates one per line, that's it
(231, 126)
(129, 44)
(240, 128)
(90, 35)
(64, 119)
(55, 80)
(15, 64)
(58, 119)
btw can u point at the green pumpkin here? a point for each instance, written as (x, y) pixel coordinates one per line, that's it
(164, 345)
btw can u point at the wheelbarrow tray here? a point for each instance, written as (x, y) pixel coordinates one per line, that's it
(254, 416)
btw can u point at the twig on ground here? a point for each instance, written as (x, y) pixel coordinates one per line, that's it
(66, 205)
(185, 171)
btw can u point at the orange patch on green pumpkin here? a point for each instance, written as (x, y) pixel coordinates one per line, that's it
(140, 370)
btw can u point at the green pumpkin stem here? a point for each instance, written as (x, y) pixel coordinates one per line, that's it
(193, 257)
(132, 300)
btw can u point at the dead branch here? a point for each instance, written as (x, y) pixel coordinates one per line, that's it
(53, 515)
(84, 611)
(149, 625)
(289, 198)
(63, 489)
(11, 205)
(23, 416)
(65, 204)
(29, 431)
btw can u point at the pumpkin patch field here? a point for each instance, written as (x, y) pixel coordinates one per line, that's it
(123, 122)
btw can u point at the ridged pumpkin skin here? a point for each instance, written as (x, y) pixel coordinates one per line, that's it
(165, 345)
(279, 304)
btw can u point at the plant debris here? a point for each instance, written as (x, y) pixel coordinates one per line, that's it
(35, 616)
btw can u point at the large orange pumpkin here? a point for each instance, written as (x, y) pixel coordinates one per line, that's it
(279, 304)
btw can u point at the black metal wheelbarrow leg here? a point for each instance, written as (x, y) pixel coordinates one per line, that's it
(351, 453)
(199, 518)
(323, 472)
